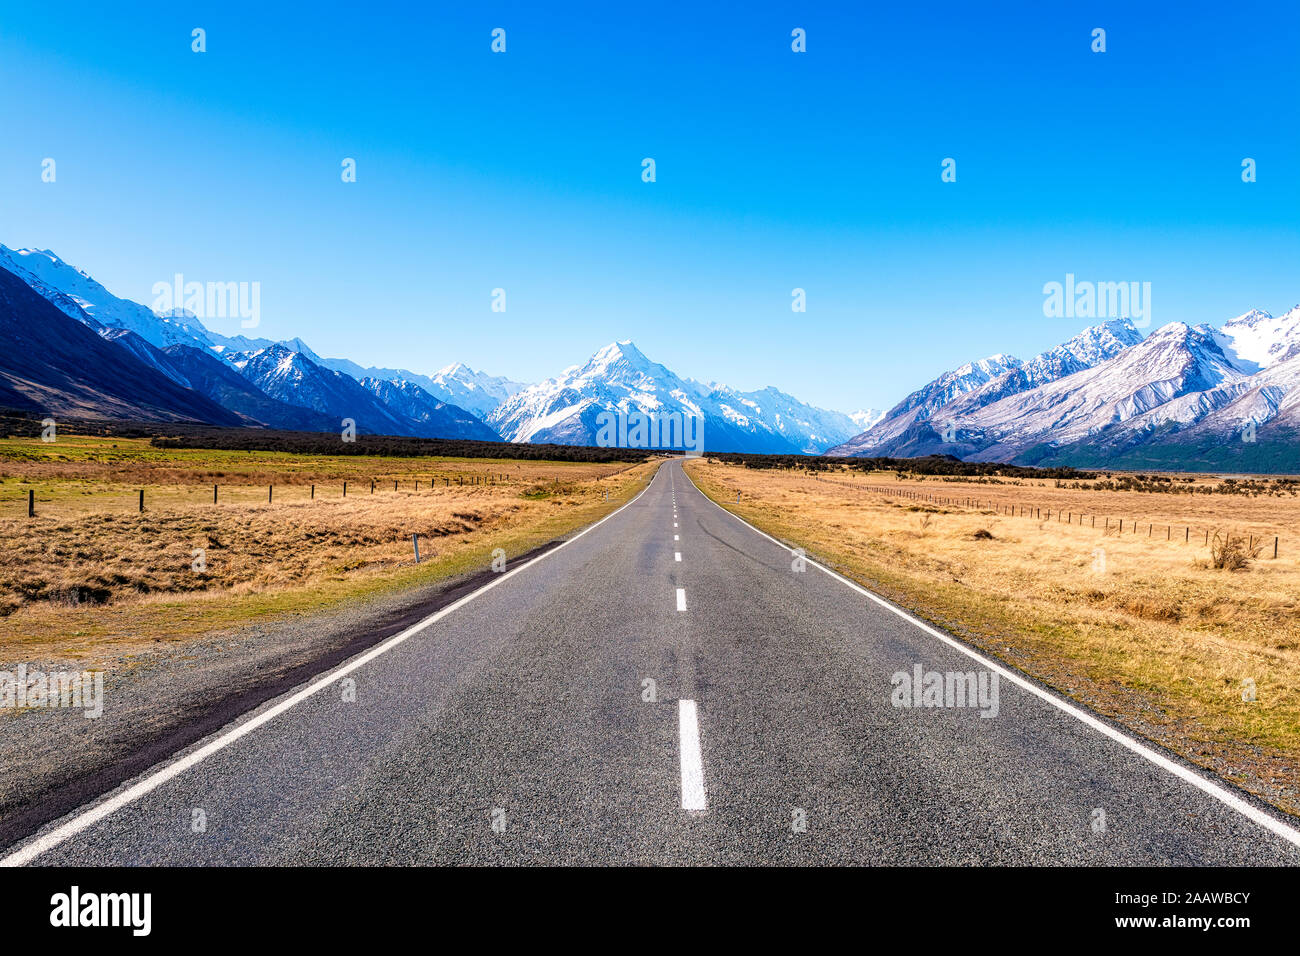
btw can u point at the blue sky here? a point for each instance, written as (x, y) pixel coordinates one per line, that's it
(775, 170)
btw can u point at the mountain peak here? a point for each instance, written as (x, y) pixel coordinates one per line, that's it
(616, 350)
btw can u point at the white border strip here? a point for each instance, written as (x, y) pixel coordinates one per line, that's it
(1218, 792)
(90, 815)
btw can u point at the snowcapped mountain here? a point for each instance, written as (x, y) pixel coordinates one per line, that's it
(224, 385)
(417, 405)
(978, 384)
(1178, 398)
(622, 380)
(457, 384)
(1245, 423)
(66, 286)
(923, 403)
(1124, 396)
(291, 377)
(53, 364)
(479, 392)
(144, 334)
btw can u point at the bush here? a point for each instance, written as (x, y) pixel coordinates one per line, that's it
(1232, 552)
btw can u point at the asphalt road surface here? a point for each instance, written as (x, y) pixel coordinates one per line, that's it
(665, 688)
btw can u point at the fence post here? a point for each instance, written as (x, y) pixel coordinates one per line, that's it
(313, 491)
(270, 493)
(31, 503)
(214, 494)
(345, 489)
(142, 499)
(1275, 546)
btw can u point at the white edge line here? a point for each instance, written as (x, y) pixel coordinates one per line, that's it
(1218, 792)
(88, 816)
(688, 735)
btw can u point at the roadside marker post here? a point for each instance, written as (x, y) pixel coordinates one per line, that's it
(415, 543)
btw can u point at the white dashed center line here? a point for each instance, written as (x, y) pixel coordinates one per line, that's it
(677, 555)
(681, 599)
(688, 730)
(674, 537)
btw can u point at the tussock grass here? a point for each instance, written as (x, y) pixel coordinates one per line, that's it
(1142, 628)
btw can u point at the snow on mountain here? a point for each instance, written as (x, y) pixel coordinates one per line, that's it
(1259, 340)
(477, 391)
(961, 392)
(62, 284)
(75, 293)
(457, 384)
(439, 418)
(291, 377)
(224, 384)
(620, 379)
(812, 430)
(54, 364)
(924, 402)
(866, 417)
(1119, 397)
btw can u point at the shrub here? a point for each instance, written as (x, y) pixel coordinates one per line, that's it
(1232, 552)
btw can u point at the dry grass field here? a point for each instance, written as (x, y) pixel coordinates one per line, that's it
(1139, 626)
(91, 578)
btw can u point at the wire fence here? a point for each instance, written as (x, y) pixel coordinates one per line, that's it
(32, 504)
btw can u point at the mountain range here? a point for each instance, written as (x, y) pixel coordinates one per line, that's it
(254, 381)
(1185, 397)
(620, 379)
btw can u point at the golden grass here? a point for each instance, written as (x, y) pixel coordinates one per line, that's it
(1140, 628)
(91, 576)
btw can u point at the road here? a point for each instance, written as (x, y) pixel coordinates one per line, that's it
(519, 726)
